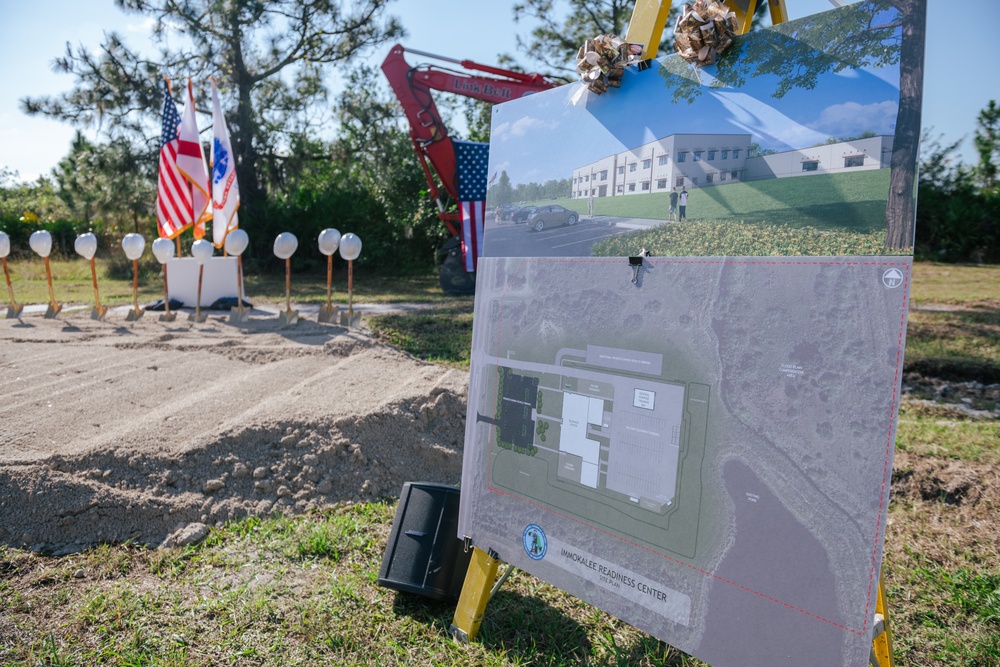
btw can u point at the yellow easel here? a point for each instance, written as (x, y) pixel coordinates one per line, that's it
(646, 27)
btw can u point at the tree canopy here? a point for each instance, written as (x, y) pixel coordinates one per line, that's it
(269, 59)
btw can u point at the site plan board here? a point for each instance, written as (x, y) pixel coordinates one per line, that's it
(704, 452)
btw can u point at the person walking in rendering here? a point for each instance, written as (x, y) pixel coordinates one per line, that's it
(683, 201)
(672, 216)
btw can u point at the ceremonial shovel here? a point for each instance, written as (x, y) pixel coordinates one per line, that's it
(201, 250)
(284, 247)
(133, 245)
(236, 242)
(163, 249)
(41, 243)
(350, 248)
(329, 239)
(86, 246)
(13, 308)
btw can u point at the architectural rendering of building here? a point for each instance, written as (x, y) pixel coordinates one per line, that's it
(680, 160)
(855, 155)
(700, 160)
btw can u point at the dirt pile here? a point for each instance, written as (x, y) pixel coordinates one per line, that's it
(115, 433)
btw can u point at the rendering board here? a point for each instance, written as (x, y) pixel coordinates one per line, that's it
(700, 441)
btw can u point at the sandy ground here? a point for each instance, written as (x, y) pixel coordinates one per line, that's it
(115, 431)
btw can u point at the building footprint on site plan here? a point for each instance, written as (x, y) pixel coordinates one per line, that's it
(599, 434)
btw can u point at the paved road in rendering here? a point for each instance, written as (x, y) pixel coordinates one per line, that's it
(518, 240)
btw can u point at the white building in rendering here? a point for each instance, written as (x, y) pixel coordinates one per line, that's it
(679, 160)
(856, 155)
(699, 160)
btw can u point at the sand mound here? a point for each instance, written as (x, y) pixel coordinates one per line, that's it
(114, 432)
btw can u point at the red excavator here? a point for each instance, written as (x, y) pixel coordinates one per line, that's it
(437, 151)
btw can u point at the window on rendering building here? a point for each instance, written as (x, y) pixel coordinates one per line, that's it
(682, 157)
(621, 169)
(646, 164)
(631, 187)
(854, 161)
(810, 165)
(694, 180)
(710, 178)
(725, 155)
(663, 160)
(734, 174)
(722, 175)
(679, 182)
(621, 189)
(661, 184)
(697, 156)
(736, 154)
(711, 155)
(632, 166)
(645, 185)
(586, 178)
(604, 175)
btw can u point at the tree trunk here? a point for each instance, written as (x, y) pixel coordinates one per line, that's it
(243, 132)
(900, 210)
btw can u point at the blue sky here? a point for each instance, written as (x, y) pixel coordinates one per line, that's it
(33, 33)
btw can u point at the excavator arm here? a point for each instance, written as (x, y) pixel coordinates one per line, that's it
(413, 86)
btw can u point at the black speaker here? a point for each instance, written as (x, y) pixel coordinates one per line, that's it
(424, 554)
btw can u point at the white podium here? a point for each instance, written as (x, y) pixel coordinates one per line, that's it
(218, 281)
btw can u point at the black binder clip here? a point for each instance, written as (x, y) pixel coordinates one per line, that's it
(636, 264)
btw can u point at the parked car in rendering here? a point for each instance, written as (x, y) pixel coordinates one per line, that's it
(521, 215)
(553, 214)
(507, 211)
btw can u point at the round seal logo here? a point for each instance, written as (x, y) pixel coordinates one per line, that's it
(534, 541)
(892, 278)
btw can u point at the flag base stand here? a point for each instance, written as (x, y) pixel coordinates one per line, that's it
(168, 317)
(135, 315)
(14, 311)
(98, 313)
(349, 319)
(288, 317)
(237, 315)
(52, 311)
(328, 315)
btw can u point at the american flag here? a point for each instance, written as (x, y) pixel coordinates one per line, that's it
(174, 203)
(472, 160)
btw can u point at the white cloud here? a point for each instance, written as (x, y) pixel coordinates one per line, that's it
(848, 74)
(519, 128)
(851, 119)
(499, 133)
(145, 27)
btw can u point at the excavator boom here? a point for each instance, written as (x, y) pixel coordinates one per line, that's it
(413, 86)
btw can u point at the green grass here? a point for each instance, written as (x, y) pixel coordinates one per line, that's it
(947, 434)
(845, 202)
(442, 334)
(250, 596)
(72, 283)
(955, 283)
